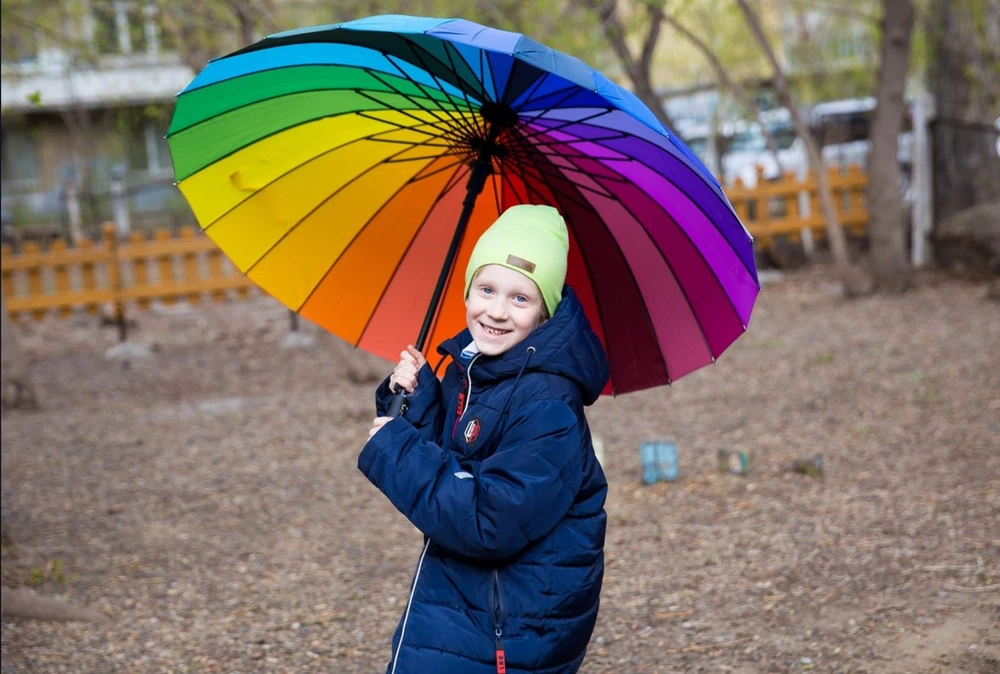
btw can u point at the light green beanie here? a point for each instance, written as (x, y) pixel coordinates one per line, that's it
(531, 240)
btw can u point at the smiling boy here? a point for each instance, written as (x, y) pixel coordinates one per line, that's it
(495, 466)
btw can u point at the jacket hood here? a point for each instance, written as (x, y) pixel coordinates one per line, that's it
(564, 345)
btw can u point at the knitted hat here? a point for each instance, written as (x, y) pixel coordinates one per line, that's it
(531, 240)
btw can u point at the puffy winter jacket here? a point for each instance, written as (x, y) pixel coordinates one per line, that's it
(495, 466)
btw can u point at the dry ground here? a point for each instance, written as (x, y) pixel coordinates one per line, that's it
(207, 498)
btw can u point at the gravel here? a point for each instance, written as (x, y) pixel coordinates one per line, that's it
(206, 497)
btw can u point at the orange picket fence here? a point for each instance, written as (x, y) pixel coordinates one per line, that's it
(137, 270)
(134, 271)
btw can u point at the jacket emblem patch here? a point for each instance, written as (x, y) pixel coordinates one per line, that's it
(472, 431)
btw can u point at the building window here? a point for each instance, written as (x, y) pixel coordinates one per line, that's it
(20, 156)
(124, 27)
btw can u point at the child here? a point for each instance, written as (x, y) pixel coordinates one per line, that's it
(495, 466)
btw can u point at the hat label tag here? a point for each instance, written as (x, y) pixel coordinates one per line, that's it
(521, 263)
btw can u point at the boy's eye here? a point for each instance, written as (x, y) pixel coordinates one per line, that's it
(521, 299)
(487, 290)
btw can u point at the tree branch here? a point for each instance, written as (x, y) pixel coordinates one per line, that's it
(652, 37)
(725, 80)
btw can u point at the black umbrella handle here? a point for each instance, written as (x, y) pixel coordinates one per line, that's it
(398, 404)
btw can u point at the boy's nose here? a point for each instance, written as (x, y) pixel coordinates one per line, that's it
(497, 311)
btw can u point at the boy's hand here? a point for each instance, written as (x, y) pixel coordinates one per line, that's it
(405, 374)
(378, 424)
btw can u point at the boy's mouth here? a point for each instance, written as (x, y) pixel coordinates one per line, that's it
(495, 332)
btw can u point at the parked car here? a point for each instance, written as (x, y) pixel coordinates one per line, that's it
(842, 129)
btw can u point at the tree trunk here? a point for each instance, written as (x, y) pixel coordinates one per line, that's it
(17, 389)
(855, 283)
(886, 231)
(965, 79)
(638, 70)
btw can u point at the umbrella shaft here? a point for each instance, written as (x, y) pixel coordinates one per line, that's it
(477, 180)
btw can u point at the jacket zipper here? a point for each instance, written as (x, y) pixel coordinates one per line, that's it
(409, 603)
(468, 387)
(463, 397)
(497, 602)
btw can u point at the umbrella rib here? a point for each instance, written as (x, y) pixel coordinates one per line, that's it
(677, 278)
(682, 159)
(416, 127)
(596, 139)
(423, 64)
(437, 170)
(693, 201)
(496, 194)
(351, 242)
(447, 50)
(277, 178)
(392, 59)
(521, 168)
(542, 172)
(404, 160)
(523, 122)
(450, 97)
(314, 209)
(302, 123)
(426, 143)
(455, 179)
(562, 123)
(360, 90)
(440, 107)
(405, 112)
(531, 97)
(628, 267)
(520, 200)
(589, 206)
(402, 257)
(484, 63)
(523, 153)
(534, 85)
(616, 178)
(311, 159)
(586, 269)
(667, 177)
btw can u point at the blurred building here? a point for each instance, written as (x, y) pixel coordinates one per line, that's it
(86, 98)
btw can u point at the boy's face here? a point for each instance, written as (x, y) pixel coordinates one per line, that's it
(504, 307)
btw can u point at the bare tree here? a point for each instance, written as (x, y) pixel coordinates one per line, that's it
(638, 68)
(886, 232)
(725, 81)
(855, 282)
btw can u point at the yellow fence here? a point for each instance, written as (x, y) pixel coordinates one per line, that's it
(787, 207)
(136, 271)
(166, 268)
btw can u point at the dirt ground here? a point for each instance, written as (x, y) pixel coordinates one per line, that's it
(207, 498)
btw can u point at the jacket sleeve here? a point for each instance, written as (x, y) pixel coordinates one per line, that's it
(425, 412)
(515, 497)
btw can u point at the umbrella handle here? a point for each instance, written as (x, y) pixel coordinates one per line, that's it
(398, 404)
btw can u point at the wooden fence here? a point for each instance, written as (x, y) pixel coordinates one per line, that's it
(134, 271)
(138, 270)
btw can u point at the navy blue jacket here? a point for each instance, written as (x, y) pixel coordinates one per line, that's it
(495, 466)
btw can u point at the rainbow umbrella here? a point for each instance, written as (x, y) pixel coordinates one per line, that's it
(349, 169)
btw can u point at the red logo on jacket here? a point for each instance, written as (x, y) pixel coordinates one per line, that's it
(472, 431)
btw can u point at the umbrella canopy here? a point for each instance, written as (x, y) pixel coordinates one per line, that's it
(333, 166)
